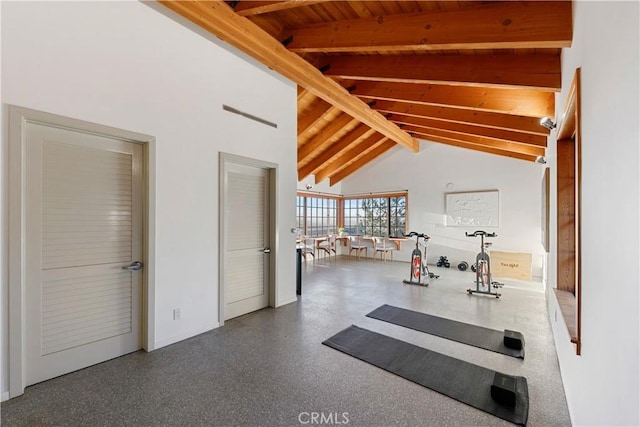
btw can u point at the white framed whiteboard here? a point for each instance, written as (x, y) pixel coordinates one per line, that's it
(476, 208)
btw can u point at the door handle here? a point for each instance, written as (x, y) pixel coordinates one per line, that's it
(134, 266)
(266, 250)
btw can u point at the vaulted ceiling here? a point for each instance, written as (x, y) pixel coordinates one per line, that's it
(372, 75)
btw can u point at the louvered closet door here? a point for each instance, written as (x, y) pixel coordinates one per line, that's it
(247, 235)
(84, 223)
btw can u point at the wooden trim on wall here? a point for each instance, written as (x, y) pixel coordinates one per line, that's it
(352, 196)
(568, 126)
(569, 214)
(577, 113)
(546, 179)
(377, 195)
(566, 214)
(318, 195)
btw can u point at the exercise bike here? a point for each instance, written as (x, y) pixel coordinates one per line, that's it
(419, 269)
(484, 280)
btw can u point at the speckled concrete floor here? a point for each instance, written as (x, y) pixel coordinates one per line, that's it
(269, 368)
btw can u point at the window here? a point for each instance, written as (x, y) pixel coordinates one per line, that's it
(398, 216)
(317, 216)
(376, 216)
(300, 210)
(384, 215)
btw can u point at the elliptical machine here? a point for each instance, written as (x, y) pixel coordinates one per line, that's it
(484, 281)
(419, 269)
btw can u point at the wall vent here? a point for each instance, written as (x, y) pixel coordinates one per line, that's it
(249, 116)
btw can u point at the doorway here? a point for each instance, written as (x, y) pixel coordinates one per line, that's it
(77, 245)
(247, 201)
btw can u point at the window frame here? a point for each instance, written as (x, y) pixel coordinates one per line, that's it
(303, 219)
(344, 207)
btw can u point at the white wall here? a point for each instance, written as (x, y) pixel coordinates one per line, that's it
(125, 65)
(426, 175)
(602, 385)
(322, 187)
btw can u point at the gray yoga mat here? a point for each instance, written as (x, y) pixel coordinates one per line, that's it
(460, 380)
(477, 336)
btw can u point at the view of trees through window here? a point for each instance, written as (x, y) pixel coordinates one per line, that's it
(378, 216)
(374, 216)
(398, 216)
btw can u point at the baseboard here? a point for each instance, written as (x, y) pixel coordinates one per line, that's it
(285, 302)
(184, 335)
(4, 396)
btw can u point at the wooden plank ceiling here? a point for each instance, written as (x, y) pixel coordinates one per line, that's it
(372, 75)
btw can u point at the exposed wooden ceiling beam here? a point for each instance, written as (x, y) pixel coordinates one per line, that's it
(302, 92)
(523, 102)
(457, 115)
(485, 149)
(219, 19)
(361, 161)
(541, 72)
(477, 141)
(248, 8)
(504, 25)
(312, 116)
(333, 150)
(465, 129)
(342, 161)
(311, 146)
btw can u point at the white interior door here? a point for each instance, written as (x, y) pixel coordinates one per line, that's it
(83, 225)
(246, 234)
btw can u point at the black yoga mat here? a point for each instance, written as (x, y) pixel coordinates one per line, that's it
(489, 339)
(460, 380)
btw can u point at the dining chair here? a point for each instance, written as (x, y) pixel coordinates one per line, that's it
(383, 246)
(308, 247)
(329, 245)
(356, 244)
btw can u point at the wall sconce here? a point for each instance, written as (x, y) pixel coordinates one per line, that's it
(309, 186)
(548, 123)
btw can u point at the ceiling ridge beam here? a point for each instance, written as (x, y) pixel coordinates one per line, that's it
(458, 115)
(355, 150)
(504, 25)
(541, 72)
(468, 129)
(524, 102)
(368, 157)
(219, 19)
(333, 150)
